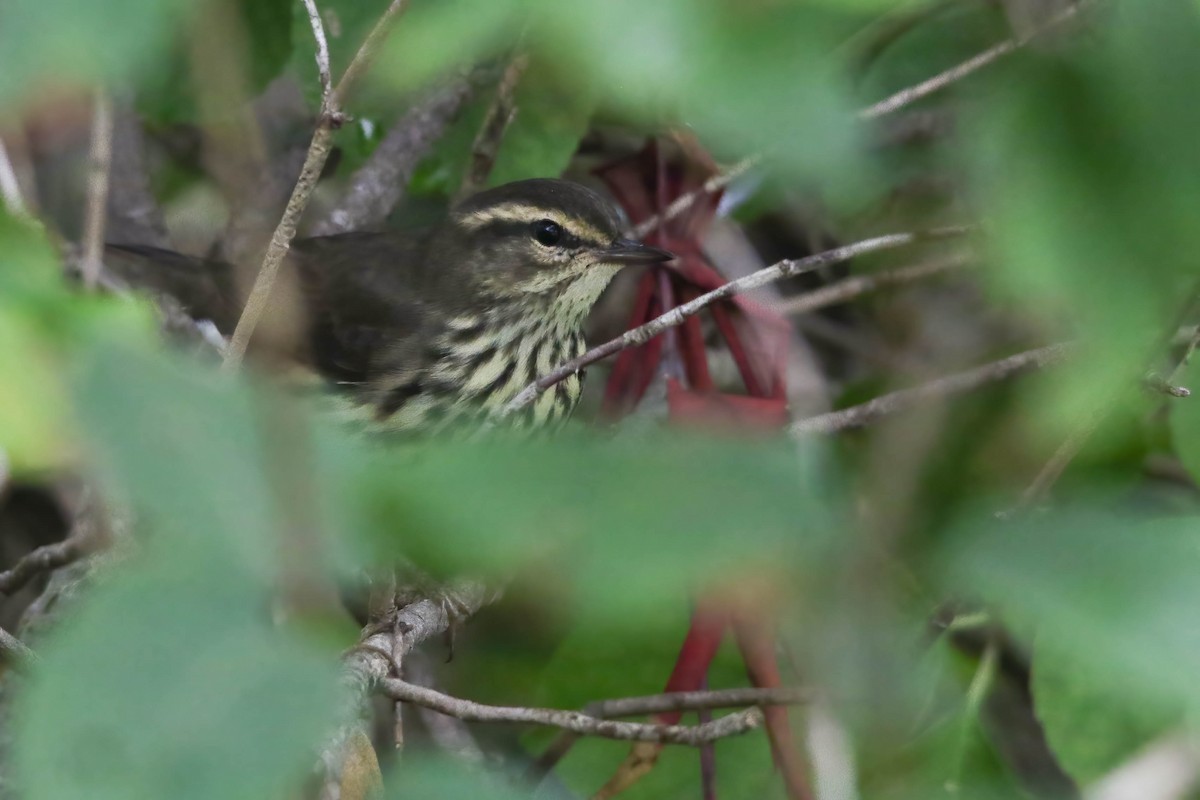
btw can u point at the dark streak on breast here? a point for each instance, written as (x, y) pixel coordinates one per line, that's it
(398, 396)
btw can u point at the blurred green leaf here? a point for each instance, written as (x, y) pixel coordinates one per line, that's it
(441, 172)
(142, 412)
(745, 82)
(48, 45)
(189, 689)
(436, 36)
(167, 94)
(268, 24)
(1185, 420)
(192, 690)
(1090, 721)
(33, 406)
(1107, 589)
(438, 778)
(1082, 155)
(551, 119)
(630, 522)
(41, 321)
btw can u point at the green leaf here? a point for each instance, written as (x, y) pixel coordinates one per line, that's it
(620, 525)
(1090, 722)
(1081, 157)
(1185, 420)
(1104, 588)
(48, 44)
(143, 412)
(551, 119)
(192, 690)
(438, 778)
(268, 25)
(189, 690)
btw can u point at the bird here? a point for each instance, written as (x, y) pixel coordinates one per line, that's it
(435, 329)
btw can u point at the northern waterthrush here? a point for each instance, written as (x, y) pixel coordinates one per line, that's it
(440, 327)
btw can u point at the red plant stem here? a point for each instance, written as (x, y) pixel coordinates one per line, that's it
(756, 641)
(737, 349)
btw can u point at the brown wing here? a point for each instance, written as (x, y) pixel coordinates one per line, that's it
(362, 296)
(357, 296)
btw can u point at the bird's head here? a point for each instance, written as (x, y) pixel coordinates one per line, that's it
(541, 239)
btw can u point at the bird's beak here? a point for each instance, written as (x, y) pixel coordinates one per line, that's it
(628, 251)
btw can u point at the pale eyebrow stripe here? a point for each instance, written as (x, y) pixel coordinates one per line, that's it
(522, 212)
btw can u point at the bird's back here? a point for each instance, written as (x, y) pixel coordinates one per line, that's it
(339, 301)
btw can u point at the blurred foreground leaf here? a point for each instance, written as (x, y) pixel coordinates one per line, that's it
(1084, 158)
(551, 119)
(619, 525)
(746, 82)
(1110, 598)
(41, 321)
(172, 681)
(1087, 715)
(49, 45)
(188, 687)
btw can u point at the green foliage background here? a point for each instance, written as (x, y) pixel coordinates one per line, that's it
(170, 680)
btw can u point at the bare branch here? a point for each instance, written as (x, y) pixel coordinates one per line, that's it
(44, 559)
(683, 203)
(956, 73)
(10, 189)
(378, 185)
(324, 71)
(99, 165)
(845, 290)
(314, 162)
(872, 410)
(15, 652)
(376, 656)
(1053, 469)
(499, 116)
(576, 722)
(889, 105)
(783, 269)
(696, 701)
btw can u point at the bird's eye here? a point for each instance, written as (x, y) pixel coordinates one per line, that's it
(547, 232)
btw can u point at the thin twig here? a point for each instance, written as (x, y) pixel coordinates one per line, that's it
(848, 289)
(318, 150)
(1053, 469)
(910, 95)
(576, 722)
(10, 189)
(376, 187)
(499, 116)
(889, 105)
(870, 411)
(99, 164)
(374, 658)
(43, 559)
(695, 701)
(683, 203)
(324, 71)
(15, 652)
(676, 316)
(362, 59)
